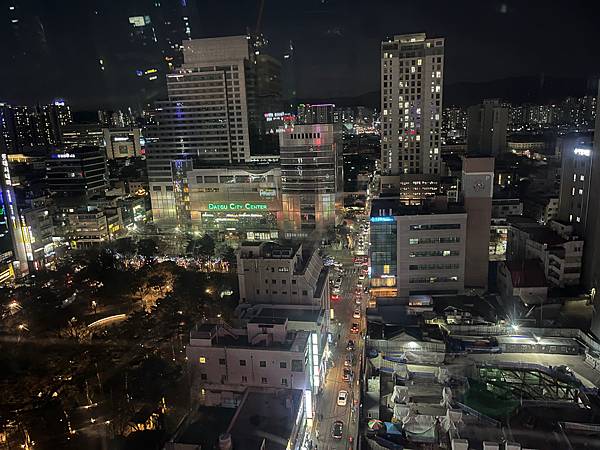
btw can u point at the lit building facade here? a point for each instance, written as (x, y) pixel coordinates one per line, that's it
(242, 199)
(416, 250)
(412, 73)
(122, 142)
(312, 181)
(79, 172)
(224, 361)
(576, 174)
(214, 113)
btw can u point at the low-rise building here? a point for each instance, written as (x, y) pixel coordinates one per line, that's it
(524, 279)
(504, 207)
(225, 360)
(274, 419)
(271, 273)
(555, 247)
(541, 208)
(86, 227)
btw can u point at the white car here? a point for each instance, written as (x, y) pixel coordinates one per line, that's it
(342, 398)
(356, 314)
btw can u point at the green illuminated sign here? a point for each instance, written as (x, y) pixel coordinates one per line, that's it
(237, 206)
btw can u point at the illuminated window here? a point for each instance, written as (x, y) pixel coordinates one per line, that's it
(202, 360)
(386, 269)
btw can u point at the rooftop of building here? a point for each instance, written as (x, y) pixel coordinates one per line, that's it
(222, 335)
(416, 391)
(268, 416)
(526, 274)
(269, 250)
(283, 251)
(292, 313)
(382, 207)
(204, 426)
(545, 235)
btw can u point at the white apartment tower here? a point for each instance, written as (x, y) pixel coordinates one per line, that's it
(412, 74)
(205, 116)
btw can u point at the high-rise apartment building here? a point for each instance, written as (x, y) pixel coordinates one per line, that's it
(311, 177)
(487, 125)
(412, 73)
(576, 174)
(25, 127)
(209, 115)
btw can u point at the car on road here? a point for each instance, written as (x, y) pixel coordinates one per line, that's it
(356, 314)
(357, 299)
(354, 328)
(350, 346)
(337, 429)
(361, 276)
(349, 360)
(347, 375)
(342, 398)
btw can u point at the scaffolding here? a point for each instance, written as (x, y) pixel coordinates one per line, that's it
(530, 382)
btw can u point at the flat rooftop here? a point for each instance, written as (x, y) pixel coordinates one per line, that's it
(393, 207)
(292, 314)
(266, 415)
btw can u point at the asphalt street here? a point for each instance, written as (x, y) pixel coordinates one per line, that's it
(329, 411)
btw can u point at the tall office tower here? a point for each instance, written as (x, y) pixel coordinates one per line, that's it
(576, 171)
(412, 69)
(77, 174)
(486, 128)
(206, 115)
(311, 177)
(477, 189)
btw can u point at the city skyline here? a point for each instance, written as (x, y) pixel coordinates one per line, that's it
(344, 40)
(209, 259)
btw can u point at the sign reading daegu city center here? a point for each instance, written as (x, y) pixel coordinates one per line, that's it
(237, 207)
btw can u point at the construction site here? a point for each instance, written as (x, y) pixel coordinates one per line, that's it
(430, 400)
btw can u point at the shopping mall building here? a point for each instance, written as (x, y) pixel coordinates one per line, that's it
(243, 201)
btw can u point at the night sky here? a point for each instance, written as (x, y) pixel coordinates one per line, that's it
(336, 43)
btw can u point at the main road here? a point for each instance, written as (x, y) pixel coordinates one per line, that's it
(328, 410)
